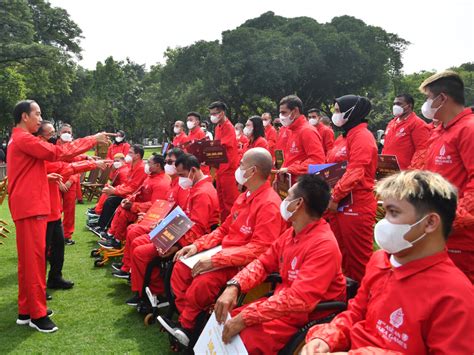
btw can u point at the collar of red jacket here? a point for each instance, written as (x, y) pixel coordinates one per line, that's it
(259, 191)
(299, 122)
(359, 127)
(202, 181)
(139, 165)
(154, 176)
(413, 267)
(306, 230)
(466, 112)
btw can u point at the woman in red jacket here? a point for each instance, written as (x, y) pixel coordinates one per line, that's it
(255, 132)
(353, 224)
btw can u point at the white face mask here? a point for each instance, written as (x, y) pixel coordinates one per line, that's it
(190, 124)
(66, 137)
(237, 133)
(285, 214)
(117, 164)
(128, 159)
(313, 121)
(185, 182)
(119, 139)
(214, 119)
(239, 176)
(248, 131)
(266, 123)
(170, 169)
(391, 237)
(177, 130)
(147, 169)
(397, 110)
(338, 117)
(428, 111)
(382, 141)
(285, 120)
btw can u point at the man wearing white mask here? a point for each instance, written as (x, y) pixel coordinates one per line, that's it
(180, 136)
(309, 261)
(253, 224)
(193, 122)
(326, 133)
(120, 145)
(412, 300)
(270, 133)
(406, 135)
(450, 154)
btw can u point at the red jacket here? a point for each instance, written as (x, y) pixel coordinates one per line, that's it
(283, 134)
(406, 139)
(338, 152)
(361, 151)
(310, 266)
(225, 132)
(242, 142)
(180, 139)
(135, 179)
(327, 136)
(451, 154)
(115, 148)
(177, 195)
(303, 147)
(196, 134)
(65, 170)
(119, 176)
(422, 307)
(27, 181)
(155, 187)
(260, 142)
(253, 224)
(202, 207)
(271, 137)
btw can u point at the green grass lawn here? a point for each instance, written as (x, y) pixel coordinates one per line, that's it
(148, 152)
(92, 317)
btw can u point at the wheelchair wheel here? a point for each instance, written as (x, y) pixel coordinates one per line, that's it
(99, 262)
(149, 319)
(95, 253)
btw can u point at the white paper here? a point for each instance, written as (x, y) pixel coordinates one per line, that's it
(193, 260)
(210, 340)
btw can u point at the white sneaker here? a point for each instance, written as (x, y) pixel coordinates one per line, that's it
(176, 332)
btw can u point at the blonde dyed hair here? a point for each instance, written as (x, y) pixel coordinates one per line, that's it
(435, 77)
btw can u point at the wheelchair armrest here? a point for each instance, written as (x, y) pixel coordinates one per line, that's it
(351, 288)
(336, 306)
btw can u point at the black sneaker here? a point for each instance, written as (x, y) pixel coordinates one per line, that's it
(121, 274)
(91, 225)
(60, 284)
(43, 324)
(133, 301)
(117, 266)
(110, 244)
(106, 236)
(69, 241)
(48, 297)
(24, 319)
(97, 230)
(91, 210)
(179, 333)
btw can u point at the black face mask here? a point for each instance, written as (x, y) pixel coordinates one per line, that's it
(53, 140)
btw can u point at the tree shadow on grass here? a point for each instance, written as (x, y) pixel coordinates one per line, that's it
(11, 334)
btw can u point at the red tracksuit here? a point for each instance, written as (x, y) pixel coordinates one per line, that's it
(253, 224)
(29, 203)
(310, 266)
(202, 208)
(225, 179)
(327, 137)
(260, 142)
(303, 147)
(118, 177)
(283, 134)
(271, 137)
(242, 142)
(155, 187)
(422, 307)
(180, 139)
(353, 226)
(196, 134)
(135, 179)
(115, 148)
(175, 194)
(406, 139)
(451, 155)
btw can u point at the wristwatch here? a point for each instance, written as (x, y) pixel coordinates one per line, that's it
(233, 282)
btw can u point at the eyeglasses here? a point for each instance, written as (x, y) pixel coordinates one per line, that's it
(169, 161)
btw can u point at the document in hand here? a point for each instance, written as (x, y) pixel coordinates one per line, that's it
(209, 152)
(210, 341)
(283, 184)
(164, 148)
(170, 230)
(386, 166)
(158, 210)
(192, 260)
(332, 173)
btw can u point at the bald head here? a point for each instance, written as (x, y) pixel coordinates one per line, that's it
(179, 124)
(261, 159)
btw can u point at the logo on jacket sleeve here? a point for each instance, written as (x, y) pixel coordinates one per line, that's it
(293, 262)
(396, 318)
(401, 132)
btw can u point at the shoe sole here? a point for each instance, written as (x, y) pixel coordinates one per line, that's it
(34, 326)
(116, 268)
(108, 247)
(177, 334)
(59, 287)
(23, 322)
(131, 304)
(120, 276)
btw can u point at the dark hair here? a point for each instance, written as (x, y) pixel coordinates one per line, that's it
(205, 123)
(158, 159)
(20, 108)
(121, 132)
(452, 86)
(219, 105)
(188, 161)
(292, 101)
(194, 114)
(43, 124)
(311, 110)
(138, 149)
(258, 129)
(408, 99)
(315, 192)
(175, 151)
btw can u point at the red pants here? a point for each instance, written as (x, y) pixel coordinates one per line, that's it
(79, 191)
(194, 295)
(100, 203)
(122, 218)
(269, 337)
(69, 210)
(354, 233)
(31, 246)
(142, 255)
(227, 192)
(133, 232)
(464, 260)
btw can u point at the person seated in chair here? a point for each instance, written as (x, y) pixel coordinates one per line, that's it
(309, 262)
(412, 299)
(252, 225)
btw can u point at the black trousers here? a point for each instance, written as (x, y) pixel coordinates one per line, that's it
(55, 249)
(108, 210)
